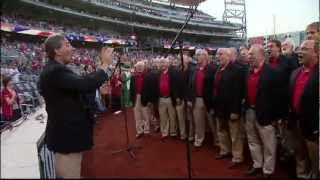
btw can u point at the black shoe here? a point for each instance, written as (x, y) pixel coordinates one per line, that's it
(224, 156)
(266, 176)
(254, 171)
(157, 129)
(234, 165)
(197, 148)
(163, 138)
(138, 136)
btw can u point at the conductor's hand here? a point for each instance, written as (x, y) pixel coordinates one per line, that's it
(106, 57)
(104, 89)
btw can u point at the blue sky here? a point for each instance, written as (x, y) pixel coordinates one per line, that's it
(290, 15)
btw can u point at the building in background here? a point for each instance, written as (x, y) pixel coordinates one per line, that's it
(297, 37)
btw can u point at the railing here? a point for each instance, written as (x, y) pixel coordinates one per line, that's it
(9, 53)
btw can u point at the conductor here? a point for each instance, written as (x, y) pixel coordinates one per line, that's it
(69, 130)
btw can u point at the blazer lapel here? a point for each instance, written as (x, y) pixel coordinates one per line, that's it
(312, 79)
(225, 72)
(264, 74)
(246, 82)
(293, 78)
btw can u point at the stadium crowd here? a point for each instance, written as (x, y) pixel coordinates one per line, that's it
(52, 25)
(78, 32)
(86, 31)
(143, 7)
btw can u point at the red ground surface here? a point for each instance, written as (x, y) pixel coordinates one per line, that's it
(156, 159)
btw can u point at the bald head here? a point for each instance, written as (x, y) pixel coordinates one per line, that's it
(156, 63)
(309, 52)
(224, 55)
(201, 52)
(139, 66)
(202, 56)
(164, 63)
(155, 60)
(256, 55)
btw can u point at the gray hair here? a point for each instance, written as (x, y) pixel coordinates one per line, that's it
(202, 51)
(290, 42)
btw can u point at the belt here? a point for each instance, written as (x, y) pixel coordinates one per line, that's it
(252, 107)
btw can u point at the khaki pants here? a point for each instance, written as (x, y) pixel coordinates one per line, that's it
(167, 116)
(191, 123)
(68, 165)
(141, 116)
(301, 153)
(231, 138)
(313, 153)
(154, 120)
(199, 118)
(213, 124)
(181, 120)
(262, 143)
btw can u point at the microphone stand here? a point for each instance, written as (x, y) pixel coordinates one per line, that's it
(129, 148)
(178, 39)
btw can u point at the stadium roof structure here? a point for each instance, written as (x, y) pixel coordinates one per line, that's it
(187, 2)
(180, 2)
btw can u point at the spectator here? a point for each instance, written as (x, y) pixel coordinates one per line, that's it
(10, 101)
